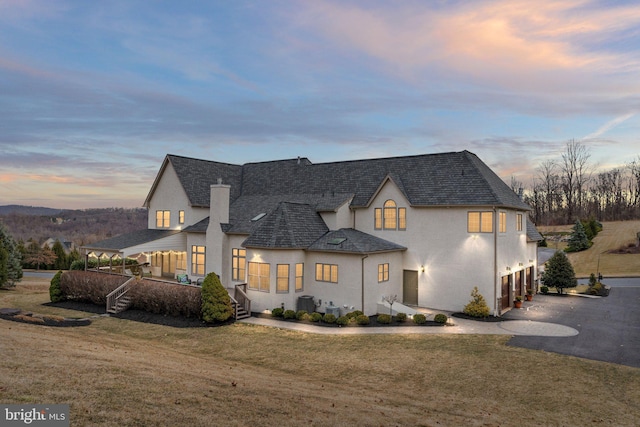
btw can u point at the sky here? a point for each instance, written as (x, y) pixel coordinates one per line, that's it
(93, 95)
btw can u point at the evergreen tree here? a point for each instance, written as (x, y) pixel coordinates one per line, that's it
(55, 292)
(61, 262)
(578, 240)
(477, 307)
(10, 261)
(559, 273)
(216, 302)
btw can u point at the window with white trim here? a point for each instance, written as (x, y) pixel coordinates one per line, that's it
(299, 277)
(198, 256)
(519, 222)
(238, 264)
(383, 272)
(390, 217)
(503, 222)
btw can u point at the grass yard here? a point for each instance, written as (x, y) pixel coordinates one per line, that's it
(613, 236)
(118, 372)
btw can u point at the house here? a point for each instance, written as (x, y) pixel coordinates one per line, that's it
(66, 244)
(343, 235)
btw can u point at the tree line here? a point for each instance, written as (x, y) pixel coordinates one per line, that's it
(570, 188)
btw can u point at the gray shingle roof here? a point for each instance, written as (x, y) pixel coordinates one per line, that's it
(532, 232)
(348, 240)
(445, 179)
(289, 226)
(130, 239)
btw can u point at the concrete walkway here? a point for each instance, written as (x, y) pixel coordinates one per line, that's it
(454, 326)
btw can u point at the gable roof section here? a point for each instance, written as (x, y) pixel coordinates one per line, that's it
(196, 177)
(348, 240)
(289, 226)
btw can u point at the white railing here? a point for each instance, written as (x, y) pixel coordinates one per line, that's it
(117, 294)
(242, 298)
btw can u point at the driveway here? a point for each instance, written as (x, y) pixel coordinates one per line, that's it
(609, 327)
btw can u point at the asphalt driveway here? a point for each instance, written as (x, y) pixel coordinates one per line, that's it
(609, 327)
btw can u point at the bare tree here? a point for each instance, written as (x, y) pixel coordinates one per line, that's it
(576, 172)
(548, 186)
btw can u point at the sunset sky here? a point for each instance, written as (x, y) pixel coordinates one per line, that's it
(93, 95)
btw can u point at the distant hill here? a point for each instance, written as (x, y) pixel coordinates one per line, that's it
(79, 226)
(27, 210)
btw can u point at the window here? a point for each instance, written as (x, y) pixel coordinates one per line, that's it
(282, 278)
(238, 264)
(480, 222)
(519, 222)
(299, 277)
(377, 221)
(181, 217)
(402, 218)
(390, 217)
(181, 260)
(327, 273)
(163, 219)
(383, 272)
(259, 276)
(197, 260)
(503, 222)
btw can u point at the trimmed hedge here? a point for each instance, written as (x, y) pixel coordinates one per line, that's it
(87, 286)
(419, 319)
(216, 302)
(166, 298)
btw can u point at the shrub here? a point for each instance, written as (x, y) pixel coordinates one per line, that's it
(544, 289)
(343, 320)
(329, 318)
(89, 286)
(277, 312)
(289, 314)
(419, 319)
(384, 319)
(477, 307)
(302, 315)
(315, 317)
(401, 317)
(354, 314)
(362, 320)
(55, 293)
(440, 318)
(216, 302)
(166, 298)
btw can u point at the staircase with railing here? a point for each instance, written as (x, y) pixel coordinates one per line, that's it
(241, 302)
(118, 300)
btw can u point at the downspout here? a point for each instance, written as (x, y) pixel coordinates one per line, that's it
(496, 224)
(362, 293)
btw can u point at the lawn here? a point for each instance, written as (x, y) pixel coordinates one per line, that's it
(119, 372)
(614, 235)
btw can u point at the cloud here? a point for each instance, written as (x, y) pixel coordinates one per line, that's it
(519, 45)
(611, 124)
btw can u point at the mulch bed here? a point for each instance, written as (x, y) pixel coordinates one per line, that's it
(478, 319)
(17, 315)
(372, 322)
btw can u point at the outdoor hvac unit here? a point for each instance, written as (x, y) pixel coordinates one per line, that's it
(332, 309)
(305, 302)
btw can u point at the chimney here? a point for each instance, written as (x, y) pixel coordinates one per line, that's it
(215, 238)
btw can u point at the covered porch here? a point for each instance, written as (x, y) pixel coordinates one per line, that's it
(157, 253)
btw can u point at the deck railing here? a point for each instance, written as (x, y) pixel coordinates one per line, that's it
(242, 298)
(117, 294)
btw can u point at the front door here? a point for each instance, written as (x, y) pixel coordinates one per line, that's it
(519, 290)
(506, 290)
(410, 287)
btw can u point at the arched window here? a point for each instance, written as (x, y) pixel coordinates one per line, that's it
(390, 215)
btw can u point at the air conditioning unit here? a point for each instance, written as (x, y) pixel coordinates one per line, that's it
(305, 302)
(332, 309)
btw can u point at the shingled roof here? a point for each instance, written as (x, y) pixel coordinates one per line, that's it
(289, 226)
(445, 179)
(348, 240)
